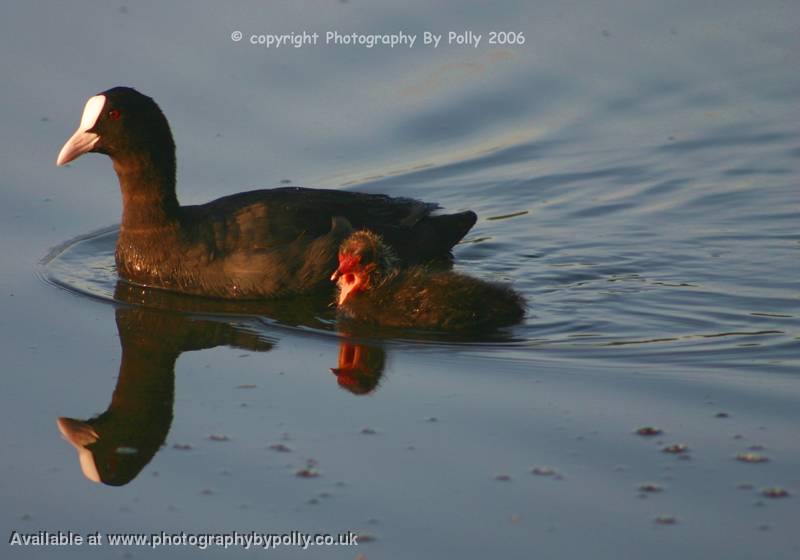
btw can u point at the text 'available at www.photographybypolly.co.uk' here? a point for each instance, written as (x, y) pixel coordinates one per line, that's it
(202, 541)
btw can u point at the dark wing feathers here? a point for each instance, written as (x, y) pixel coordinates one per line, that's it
(263, 219)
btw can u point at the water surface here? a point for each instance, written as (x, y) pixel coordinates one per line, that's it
(635, 170)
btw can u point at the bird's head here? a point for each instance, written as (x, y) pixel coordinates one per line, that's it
(120, 122)
(364, 262)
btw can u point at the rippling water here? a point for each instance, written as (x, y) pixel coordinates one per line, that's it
(635, 169)
(612, 249)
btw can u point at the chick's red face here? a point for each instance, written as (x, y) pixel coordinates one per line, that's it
(351, 277)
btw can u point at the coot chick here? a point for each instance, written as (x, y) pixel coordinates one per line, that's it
(250, 245)
(374, 289)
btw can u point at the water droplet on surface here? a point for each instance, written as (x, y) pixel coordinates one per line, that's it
(650, 487)
(775, 492)
(666, 520)
(649, 431)
(751, 458)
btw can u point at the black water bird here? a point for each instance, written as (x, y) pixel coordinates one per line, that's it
(250, 245)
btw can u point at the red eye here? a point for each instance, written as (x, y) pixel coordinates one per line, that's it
(114, 114)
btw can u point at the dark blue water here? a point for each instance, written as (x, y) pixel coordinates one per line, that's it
(635, 171)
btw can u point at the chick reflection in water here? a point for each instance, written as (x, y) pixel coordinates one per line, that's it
(360, 367)
(115, 446)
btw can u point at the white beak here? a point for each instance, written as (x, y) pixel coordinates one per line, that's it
(83, 141)
(80, 435)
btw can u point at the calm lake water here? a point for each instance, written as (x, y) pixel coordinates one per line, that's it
(635, 171)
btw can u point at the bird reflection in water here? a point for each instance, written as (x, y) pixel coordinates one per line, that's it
(360, 367)
(154, 329)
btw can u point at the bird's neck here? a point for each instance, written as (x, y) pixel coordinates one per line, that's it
(147, 181)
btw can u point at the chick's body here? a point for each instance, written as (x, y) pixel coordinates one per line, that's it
(373, 290)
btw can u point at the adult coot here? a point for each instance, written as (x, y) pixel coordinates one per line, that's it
(249, 245)
(374, 289)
